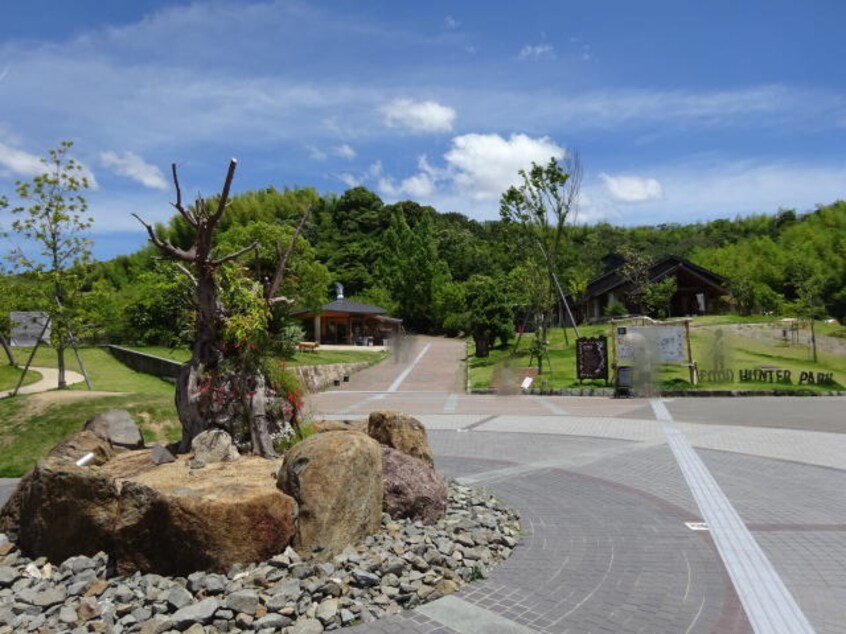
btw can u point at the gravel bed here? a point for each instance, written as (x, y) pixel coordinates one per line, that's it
(404, 565)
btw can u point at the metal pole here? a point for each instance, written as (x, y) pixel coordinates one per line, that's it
(31, 356)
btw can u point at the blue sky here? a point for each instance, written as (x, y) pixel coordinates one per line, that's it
(680, 111)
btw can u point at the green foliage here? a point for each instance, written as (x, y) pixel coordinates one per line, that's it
(489, 313)
(52, 218)
(158, 308)
(287, 340)
(616, 308)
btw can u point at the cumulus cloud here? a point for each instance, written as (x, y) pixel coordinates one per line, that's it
(419, 116)
(537, 52)
(485, 165)
(133, 166)
(632, 189)
(18, 162)
(451, 24)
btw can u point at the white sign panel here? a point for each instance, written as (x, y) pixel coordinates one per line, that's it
(27, 326)
(667, 341)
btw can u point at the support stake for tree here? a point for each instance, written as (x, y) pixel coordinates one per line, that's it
(31, 356)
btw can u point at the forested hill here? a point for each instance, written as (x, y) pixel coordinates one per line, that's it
(426, 266)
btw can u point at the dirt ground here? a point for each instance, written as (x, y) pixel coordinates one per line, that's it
(37, 403)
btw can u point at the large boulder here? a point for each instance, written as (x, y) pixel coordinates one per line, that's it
(173, 520)
(336, 479)
(213, 445)
(118, 427)
(401, 432)
(167, 519)
(412, 489)
(80, 445)
(59, 510)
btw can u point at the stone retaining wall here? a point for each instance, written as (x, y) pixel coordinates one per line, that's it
(146, 363)
(314, 377)
(317, 377)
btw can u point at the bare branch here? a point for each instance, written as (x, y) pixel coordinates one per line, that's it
(185, 213)
(224, 195)
(237, 254)
(282, 259)
(165, 246)
(187, 272)
(280, 300)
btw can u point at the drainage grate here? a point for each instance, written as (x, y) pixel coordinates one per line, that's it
(697, 526)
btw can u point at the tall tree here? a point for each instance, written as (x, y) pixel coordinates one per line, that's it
(52, 218)
(542, 204)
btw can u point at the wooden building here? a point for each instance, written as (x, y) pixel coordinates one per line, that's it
(344, 322)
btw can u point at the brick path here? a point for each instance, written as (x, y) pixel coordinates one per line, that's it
(604, 503)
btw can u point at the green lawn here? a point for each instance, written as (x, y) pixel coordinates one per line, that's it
(318, 357)
(745, 353)
(29, 428)
(9, 376)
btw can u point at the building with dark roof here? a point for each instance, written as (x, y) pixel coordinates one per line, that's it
(698, 289)
(348, 323)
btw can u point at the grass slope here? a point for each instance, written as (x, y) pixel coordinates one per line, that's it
(745, 353)
(9, 376)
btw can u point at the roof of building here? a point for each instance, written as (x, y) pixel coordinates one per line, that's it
(661, 269)
(346, 306)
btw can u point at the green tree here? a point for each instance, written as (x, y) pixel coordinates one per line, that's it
(489, 313)
(53, 218)
(541, 205)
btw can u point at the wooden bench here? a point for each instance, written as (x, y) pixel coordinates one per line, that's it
(308, 346)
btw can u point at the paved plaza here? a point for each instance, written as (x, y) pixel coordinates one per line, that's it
(671, 515)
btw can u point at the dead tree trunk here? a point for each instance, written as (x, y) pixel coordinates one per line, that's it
(196, 386)
(206, 396)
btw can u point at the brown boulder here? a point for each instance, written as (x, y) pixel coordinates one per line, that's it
(401, 432)
(173, 520)
(166, 519)
(320, 426)
(336, 479)
(412, 489)
(82, 443)
(59, 510)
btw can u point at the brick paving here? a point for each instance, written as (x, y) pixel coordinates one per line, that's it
(603, 502)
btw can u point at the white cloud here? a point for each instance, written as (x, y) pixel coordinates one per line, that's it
(632, 189)
(485, 165)
(350, 180)
(18, 162)
(421, 185)
(133, 166)
(345, 151)
(451, 24)
(419, 116)
(537, 52)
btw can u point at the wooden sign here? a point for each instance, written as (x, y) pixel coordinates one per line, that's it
(592, 358)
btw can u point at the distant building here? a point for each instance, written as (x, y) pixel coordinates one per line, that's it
(698, 292)
(348, 323)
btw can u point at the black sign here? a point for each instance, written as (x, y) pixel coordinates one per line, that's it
(592, 358)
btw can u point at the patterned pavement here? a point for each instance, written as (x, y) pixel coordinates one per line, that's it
(605, 503)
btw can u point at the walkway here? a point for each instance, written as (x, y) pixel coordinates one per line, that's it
(688, 515)
(49, 380)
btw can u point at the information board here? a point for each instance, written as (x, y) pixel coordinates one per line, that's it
(27, 326)
(668, 341)
(592, 358)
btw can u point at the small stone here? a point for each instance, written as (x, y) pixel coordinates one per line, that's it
(273, 622)
(88, 609)
(327, 610)
(179, 597)
(245, 601)
(67, 614)
(200, 612)
(364, 579)
(8, 576)
(347, 617)
(96, 588)
(161, 455)
(195, 463)
(306, 626)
